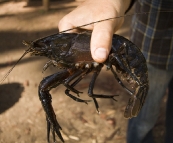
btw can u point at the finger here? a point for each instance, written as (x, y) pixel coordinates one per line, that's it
(101, 40)
(66, 26)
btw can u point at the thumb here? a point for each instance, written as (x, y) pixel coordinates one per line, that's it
(101, 40)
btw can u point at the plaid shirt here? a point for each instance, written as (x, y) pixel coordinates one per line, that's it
(153, 32)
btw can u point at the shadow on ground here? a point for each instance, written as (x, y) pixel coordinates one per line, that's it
(10, 94)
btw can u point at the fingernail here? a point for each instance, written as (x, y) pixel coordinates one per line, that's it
(100, 53)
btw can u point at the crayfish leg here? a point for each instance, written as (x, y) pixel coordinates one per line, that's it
(91, 87)
(75, 98)
(119, 81)
(69, 79)
(81, 76)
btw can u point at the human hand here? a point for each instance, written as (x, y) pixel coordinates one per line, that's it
(94, 10)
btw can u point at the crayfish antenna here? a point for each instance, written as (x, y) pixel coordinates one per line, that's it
(26, 52)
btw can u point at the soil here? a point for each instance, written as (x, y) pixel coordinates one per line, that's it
(22, 119)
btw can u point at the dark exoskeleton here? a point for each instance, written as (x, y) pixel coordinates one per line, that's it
(71, 53)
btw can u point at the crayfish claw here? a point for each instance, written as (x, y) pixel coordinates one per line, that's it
(86, 101)
(70, 88)
(59, 134)
(79, 92)
(114, 99)
(53, 134)
(48, 130)
(98, 111)
(75, 98)
(55, 128)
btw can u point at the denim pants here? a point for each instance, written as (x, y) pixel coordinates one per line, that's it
(139, 128)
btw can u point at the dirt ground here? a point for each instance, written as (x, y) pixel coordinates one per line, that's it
(22, 119)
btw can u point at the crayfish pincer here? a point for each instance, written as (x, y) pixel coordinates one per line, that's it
(71, 53)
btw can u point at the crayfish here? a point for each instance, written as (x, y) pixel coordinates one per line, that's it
(71, 53)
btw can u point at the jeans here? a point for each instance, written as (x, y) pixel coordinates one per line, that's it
(139, 128)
